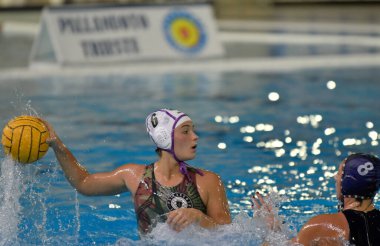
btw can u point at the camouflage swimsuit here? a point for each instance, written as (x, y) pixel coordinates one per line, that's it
(153, 201)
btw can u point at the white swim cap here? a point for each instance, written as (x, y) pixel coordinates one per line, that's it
(161, 124)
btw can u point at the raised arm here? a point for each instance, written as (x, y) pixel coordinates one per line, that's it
(107, 183)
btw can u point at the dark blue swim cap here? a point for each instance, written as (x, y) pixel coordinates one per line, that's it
(361, 176)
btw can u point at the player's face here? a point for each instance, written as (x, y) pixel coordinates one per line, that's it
(185, 141)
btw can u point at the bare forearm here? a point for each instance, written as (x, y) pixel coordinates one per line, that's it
(74, 172)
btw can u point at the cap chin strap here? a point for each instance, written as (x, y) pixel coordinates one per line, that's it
(182, 165)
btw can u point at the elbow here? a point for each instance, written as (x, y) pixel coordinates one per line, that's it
(83, 188)
(84, 192)
(223, 219)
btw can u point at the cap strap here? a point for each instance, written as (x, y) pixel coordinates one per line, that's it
(182, 165)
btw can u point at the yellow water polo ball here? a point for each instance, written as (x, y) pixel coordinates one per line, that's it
(24, 139)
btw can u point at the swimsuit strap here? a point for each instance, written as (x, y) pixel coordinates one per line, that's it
(154, 191)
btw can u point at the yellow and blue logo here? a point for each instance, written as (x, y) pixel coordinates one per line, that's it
(184, 32)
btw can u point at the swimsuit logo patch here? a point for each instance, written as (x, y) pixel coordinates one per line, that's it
(178, 200)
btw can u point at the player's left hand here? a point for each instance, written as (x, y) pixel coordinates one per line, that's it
(181, 218)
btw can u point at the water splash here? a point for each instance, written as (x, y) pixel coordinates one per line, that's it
(244, 230)
(23, 106)
(10, 191)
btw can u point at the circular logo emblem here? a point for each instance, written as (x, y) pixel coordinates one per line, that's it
(184, 32)
(178, 200)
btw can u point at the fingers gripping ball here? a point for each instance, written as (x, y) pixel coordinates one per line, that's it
(24, 139)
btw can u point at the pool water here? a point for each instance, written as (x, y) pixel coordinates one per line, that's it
(277, 115)
(290, 146)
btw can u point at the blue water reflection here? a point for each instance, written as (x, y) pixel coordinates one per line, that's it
(291, 145)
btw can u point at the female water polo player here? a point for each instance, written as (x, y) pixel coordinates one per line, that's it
(166, 190)
(358, 221)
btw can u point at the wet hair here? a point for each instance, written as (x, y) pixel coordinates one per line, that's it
(361, 176)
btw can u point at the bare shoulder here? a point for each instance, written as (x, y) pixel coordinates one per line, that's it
(208, 176)
(131, 174)
(337, 219)
(210, 182)
(324, 226)
(213, 194)
(136, 170)
(132, 166)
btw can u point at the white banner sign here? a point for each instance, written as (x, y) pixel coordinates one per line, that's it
(121, 33)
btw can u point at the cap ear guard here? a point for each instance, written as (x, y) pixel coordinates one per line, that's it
(162, 138)
(159, 126)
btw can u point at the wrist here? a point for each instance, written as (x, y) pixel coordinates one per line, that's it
(55, 143)
(197, 216)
